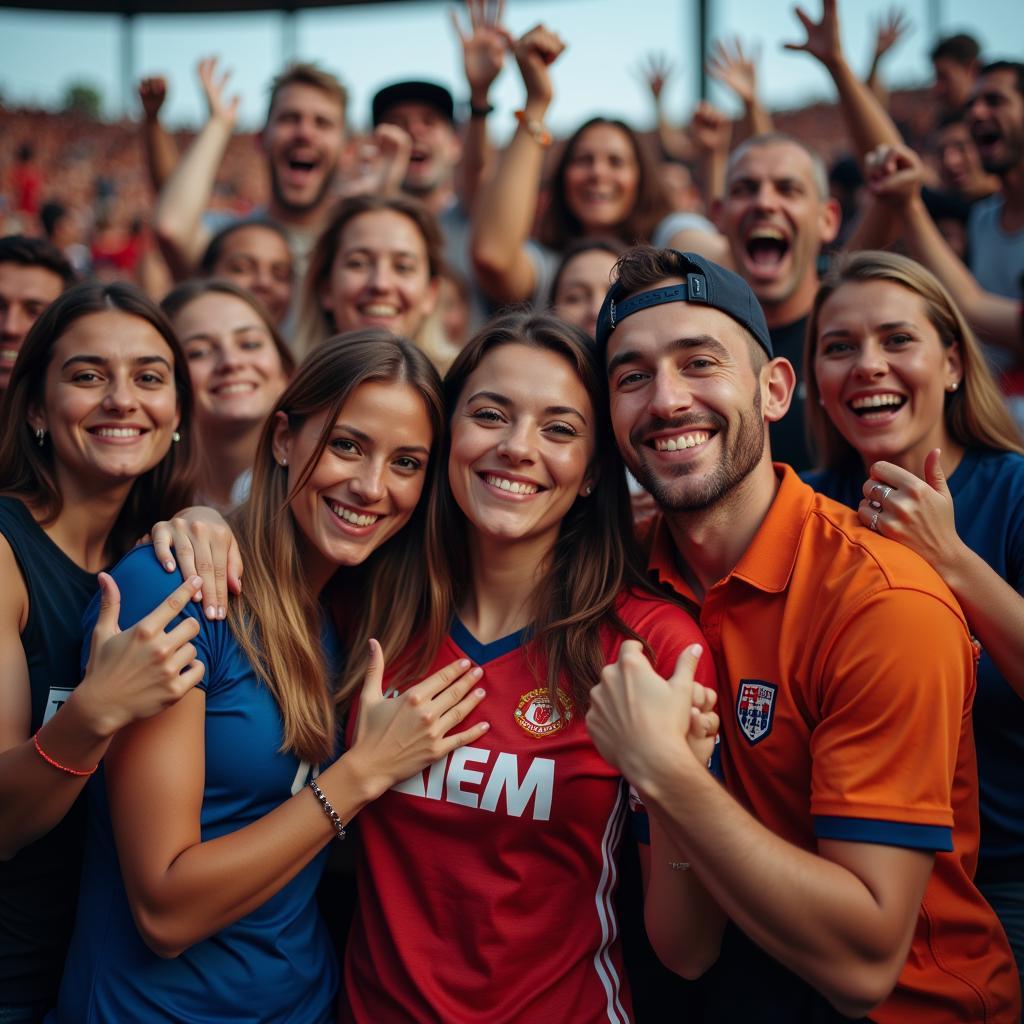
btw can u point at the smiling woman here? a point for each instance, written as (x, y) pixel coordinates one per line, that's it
(900, 394)
(239, 365)
(97, 442)
(376, 264)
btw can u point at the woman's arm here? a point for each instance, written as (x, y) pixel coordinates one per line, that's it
(183, 890)
(919, 513)
(504, 215)
(129, 675)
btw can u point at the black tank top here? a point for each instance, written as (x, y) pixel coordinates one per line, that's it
(39, 885)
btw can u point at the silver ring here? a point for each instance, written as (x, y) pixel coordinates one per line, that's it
(886, 491)
(874, 520)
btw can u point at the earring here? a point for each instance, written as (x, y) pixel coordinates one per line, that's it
(175, 437)
(40, 436)
(588, 490)
(284, 462)
(952, 387)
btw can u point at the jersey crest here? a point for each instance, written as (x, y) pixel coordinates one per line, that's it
(755, 708)
(536, 716)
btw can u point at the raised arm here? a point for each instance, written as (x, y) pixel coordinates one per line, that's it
(889, 30)
(894, 175)
(161, 151)
(183, 890)
(483, 56)
(186, 195)
(129, 675)
(654, 72)
(737, 70)
(504, 215)
(866, 119)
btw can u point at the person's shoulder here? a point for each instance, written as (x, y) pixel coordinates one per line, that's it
(140, 570)
(846, 558)
(983, 211)
(642, 611)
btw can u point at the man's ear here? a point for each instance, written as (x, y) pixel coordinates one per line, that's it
(778, 385)
(829, 221)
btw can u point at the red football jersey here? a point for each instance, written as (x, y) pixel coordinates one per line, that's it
(486, 883)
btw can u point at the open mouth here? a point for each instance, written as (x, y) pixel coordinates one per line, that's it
(8, 356)
(378, 311)
(766, 248)
(507, 485)
(350, 517)
(116, 434)
(236, 388)
(869, 407)
(683, 441)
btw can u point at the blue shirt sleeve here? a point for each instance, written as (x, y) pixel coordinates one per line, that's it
(143, 584)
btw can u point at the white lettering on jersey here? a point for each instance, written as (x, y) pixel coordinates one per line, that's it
(453, 780)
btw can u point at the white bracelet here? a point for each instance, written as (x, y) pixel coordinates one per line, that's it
(679, 865)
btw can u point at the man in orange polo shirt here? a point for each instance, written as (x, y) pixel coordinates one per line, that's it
(842, 846)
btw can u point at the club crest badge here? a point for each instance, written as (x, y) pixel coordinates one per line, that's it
(536, 716)
(755, 708)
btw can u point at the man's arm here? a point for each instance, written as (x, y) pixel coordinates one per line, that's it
(738, 71)
(177, 220)
(841, 916)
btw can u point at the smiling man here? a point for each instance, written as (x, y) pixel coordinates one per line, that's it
(846, 833)
(777, 214)
(995, 231)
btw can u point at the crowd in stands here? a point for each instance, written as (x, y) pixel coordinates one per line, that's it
(616, 542)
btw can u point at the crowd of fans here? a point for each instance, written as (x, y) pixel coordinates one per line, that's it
(252, 315)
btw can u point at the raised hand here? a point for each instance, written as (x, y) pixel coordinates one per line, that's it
(138, 672)
(205, 547)
(535, 53)
(214, 88)
(822, 39)
(710, 129)
(152, 93)
(889, 30)
(894, 174)
(395, 737)
(483, 46)
(735, 69)
(654, 71)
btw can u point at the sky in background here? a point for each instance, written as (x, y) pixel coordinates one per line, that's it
(41, 54)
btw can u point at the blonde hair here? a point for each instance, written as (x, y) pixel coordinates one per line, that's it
(975, 414)
(314, 323)
(276, 620)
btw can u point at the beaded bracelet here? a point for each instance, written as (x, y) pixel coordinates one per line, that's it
(328, 809)
(534, 128)
(679, 865)
(56, 764)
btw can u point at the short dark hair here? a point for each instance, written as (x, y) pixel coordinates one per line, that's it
(961, 48)
(37, 252)
(1013, 66)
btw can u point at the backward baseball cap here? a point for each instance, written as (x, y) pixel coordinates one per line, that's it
(705, 283)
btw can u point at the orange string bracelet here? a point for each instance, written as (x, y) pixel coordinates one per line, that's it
(535, 128)
(56, 764)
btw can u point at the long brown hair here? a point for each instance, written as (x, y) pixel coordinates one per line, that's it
(27, 471)
(559, 225)
(277, 618)
(314, 323)
(975, 414)
(594, 558)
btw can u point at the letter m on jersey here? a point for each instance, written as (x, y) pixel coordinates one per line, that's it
(755, 708)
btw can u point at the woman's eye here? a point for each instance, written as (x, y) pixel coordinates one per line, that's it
(408, 463)
(196, 353)
(343, 444)
(489, 415)
(833, 348)
(150, 378)
(86, 377)
(566, 429)
(251, 344)
(899, 339)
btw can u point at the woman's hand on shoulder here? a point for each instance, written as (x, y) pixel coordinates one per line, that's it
(138, 672)
(916, 512)
(205, 547)
(396, 737)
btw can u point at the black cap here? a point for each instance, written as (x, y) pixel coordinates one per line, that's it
(430, 93)
(704, 282)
